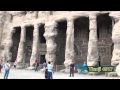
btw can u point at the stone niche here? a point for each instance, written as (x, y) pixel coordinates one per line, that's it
(60, 40)
(81, 38)
(28, 43)
(16, 40)
(104, 35)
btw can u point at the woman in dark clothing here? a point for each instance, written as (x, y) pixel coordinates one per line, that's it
(46, 73)
(0, 65)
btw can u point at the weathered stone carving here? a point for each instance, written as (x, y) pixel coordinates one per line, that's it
(69, 52)
(51, 32)
(35, 46)
(92, 58)
(9, 43)
(21, 54)
(50, 35)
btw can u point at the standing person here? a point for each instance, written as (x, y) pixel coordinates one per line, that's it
(0, 65)
(6, 67)
(72, 70)
(36, 65)
(44, 65)
(50, 70)
(46, 73)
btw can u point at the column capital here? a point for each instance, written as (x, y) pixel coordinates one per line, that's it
(50, 29)
(93, 23)
(70, 19)
(115, 14)
(36, 26)
(49, 23)
(92, 16)
(70, 22)
(23, 27)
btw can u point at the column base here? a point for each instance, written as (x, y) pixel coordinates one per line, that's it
(66, 70)
(30, 68)
(20, 66)
(95, 73)
(118, 70)
(92, 63)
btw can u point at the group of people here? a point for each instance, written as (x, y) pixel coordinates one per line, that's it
(48, 69)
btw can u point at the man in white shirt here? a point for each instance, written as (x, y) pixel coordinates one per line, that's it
(6, 67)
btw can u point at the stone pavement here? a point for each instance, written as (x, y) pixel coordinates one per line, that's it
(30, 74)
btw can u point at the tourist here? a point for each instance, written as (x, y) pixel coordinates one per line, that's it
(72, 70)
(44, 65)
(50, 70)
(36, 65)
(6, 67)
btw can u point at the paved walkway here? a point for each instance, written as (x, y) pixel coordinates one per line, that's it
(30, 74)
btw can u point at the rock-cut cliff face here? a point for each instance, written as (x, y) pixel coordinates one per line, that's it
(4, 21)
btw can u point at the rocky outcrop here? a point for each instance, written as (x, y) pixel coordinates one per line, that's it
(116, 40)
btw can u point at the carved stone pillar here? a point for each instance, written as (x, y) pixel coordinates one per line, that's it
(92, 57)
(69, 52)
(21, 49)
(9, 43)
(50, 35)
(35, 46)
(115, 61)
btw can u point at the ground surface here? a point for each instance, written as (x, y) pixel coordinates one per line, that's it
(30, 74)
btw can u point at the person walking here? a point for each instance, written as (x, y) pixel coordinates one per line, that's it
(6, 67)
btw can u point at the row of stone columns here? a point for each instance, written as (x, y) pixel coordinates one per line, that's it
(50, 35)
(21, 48)
(51, 32)
(35, 47)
